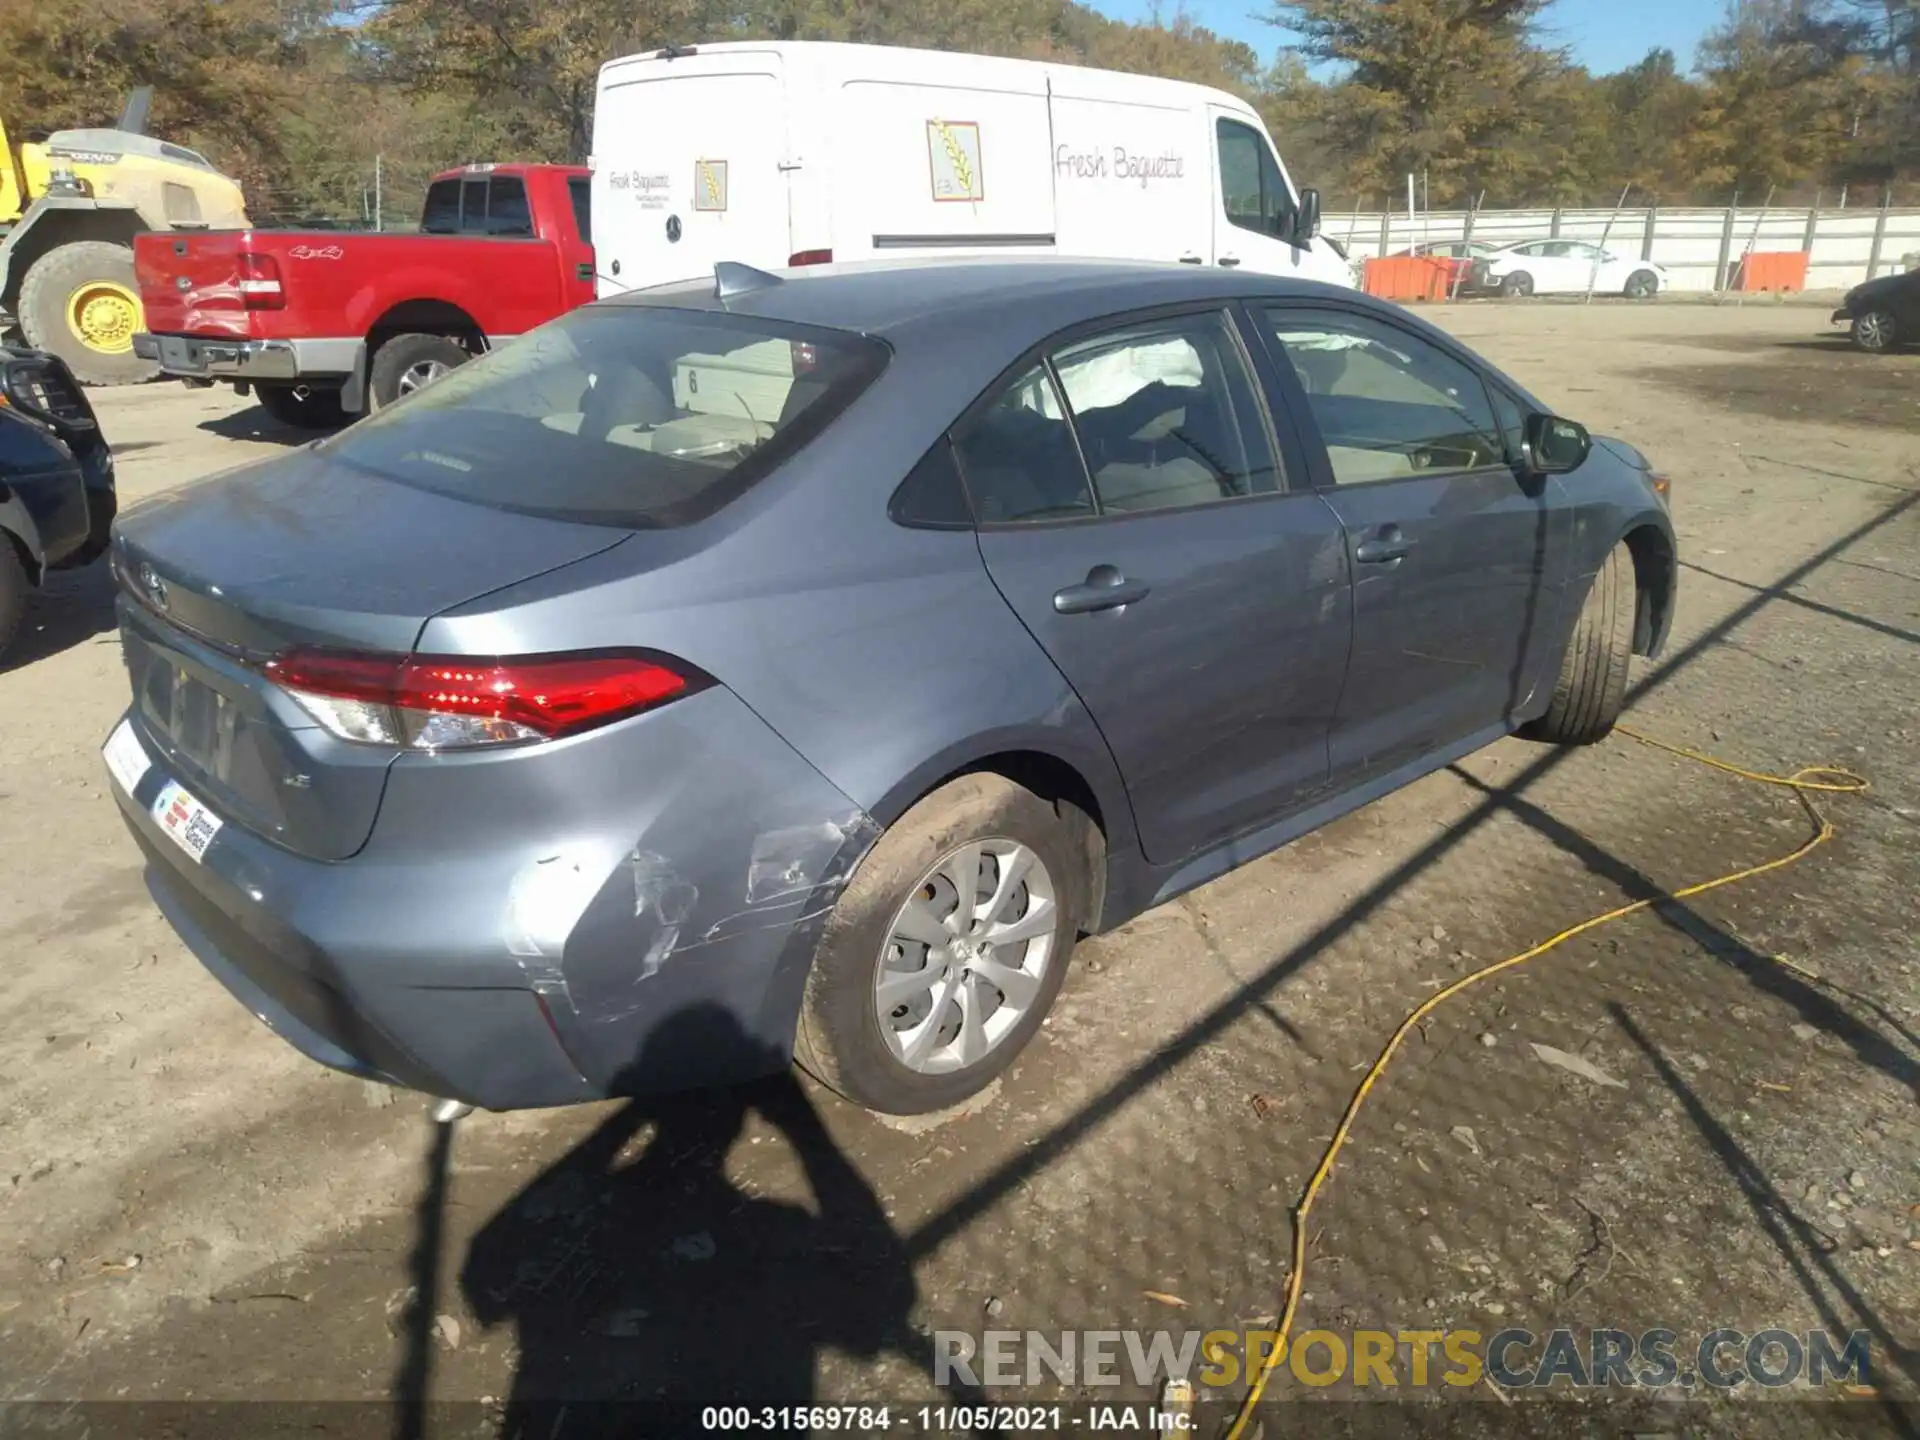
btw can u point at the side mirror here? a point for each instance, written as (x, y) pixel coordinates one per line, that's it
(1555, 446)
(1306, 223)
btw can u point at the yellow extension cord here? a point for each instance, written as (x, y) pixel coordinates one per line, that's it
(1813, 778)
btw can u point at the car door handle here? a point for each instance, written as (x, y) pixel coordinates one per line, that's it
(1385, 548)
(1228, 260)
(1105, 588)
(1191, 259)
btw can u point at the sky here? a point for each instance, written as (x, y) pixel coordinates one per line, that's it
(1604, 35)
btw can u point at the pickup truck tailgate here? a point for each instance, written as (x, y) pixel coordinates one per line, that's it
(190, 282)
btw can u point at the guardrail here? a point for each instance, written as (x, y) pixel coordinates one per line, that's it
(1701, 249)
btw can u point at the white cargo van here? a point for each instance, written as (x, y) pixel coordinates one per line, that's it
(794, 153)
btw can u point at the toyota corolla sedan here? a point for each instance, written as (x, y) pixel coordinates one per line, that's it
(798, 666)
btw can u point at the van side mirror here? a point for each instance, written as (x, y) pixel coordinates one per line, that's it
(1555, 446)
(1306, 223)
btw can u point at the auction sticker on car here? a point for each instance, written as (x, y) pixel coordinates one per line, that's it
(126, 757)
(187, 822)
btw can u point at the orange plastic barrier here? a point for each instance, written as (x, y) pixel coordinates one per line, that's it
(1409, 277)
(1772, 270)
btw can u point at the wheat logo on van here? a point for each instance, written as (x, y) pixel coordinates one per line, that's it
(953, 156)
(710, 185)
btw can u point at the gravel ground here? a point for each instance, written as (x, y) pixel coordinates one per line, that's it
(190, 1211)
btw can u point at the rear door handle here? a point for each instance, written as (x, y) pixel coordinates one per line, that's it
(1105, 588)
(1228, 260)
(1191, 259)
(1385, 548)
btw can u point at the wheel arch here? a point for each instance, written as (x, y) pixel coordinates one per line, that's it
(1048, 774)
(426, 317)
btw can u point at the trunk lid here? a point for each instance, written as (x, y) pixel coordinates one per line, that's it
(300, 551)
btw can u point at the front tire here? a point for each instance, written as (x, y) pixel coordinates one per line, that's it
(303, 407)
(1592, 686)
(81, 302)
(1875, 332)
(408, 363)
(1519, 284)
(946, 949)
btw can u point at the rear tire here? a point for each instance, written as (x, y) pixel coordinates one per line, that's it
(408, 363)
(1520, 283)
(14, 587)
(1592, 686)
(318, 409)
(1876, 332)
(842, 1038)
(1642, 285)
(94, 280)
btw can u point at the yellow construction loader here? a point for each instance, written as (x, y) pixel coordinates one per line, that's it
(68, 213)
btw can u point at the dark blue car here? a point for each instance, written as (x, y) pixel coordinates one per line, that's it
(801, 665)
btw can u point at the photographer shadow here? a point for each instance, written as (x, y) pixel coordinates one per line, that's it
(645, 1287)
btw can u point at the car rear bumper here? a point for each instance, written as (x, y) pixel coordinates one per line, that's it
(194, 358)
(630, 910)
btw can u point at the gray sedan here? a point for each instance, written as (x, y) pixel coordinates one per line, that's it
(796, 667)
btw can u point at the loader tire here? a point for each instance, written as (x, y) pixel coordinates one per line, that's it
(80, 301)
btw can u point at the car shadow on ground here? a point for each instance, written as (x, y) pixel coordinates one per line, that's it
(642, 1283)
(71, 608)
(254, 423)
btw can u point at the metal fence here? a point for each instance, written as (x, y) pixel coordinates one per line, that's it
(1699, 248)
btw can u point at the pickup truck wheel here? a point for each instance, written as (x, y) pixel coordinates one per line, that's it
(303, 407)
(14, 586)
(81, 302)
(408, 363)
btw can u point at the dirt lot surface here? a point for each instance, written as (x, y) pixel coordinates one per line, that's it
(189, 1210)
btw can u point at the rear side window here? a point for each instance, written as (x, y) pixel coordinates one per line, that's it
(1166, 415)
(442, 213)
(642, 417)
(507, 212)
(581, 193)
(1020, 458)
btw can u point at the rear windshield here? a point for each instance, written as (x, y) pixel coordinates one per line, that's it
(619, 415)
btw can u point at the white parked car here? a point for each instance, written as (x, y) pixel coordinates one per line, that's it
(800, 153)
(1568, 267)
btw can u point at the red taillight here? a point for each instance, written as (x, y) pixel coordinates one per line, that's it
(810, 257)
(806, 355)
(438, 702)
(260, 287)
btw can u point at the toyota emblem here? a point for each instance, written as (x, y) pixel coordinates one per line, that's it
(155, 587)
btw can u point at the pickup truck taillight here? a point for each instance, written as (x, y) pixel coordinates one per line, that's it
(260, 287)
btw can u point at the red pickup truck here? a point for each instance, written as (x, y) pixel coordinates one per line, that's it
(322, 325)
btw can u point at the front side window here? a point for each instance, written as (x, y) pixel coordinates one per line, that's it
(1389, 404)
(1166, 415)
(1251, 186)
(631, 416)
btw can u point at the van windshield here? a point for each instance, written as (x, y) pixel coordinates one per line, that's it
(637, 416)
